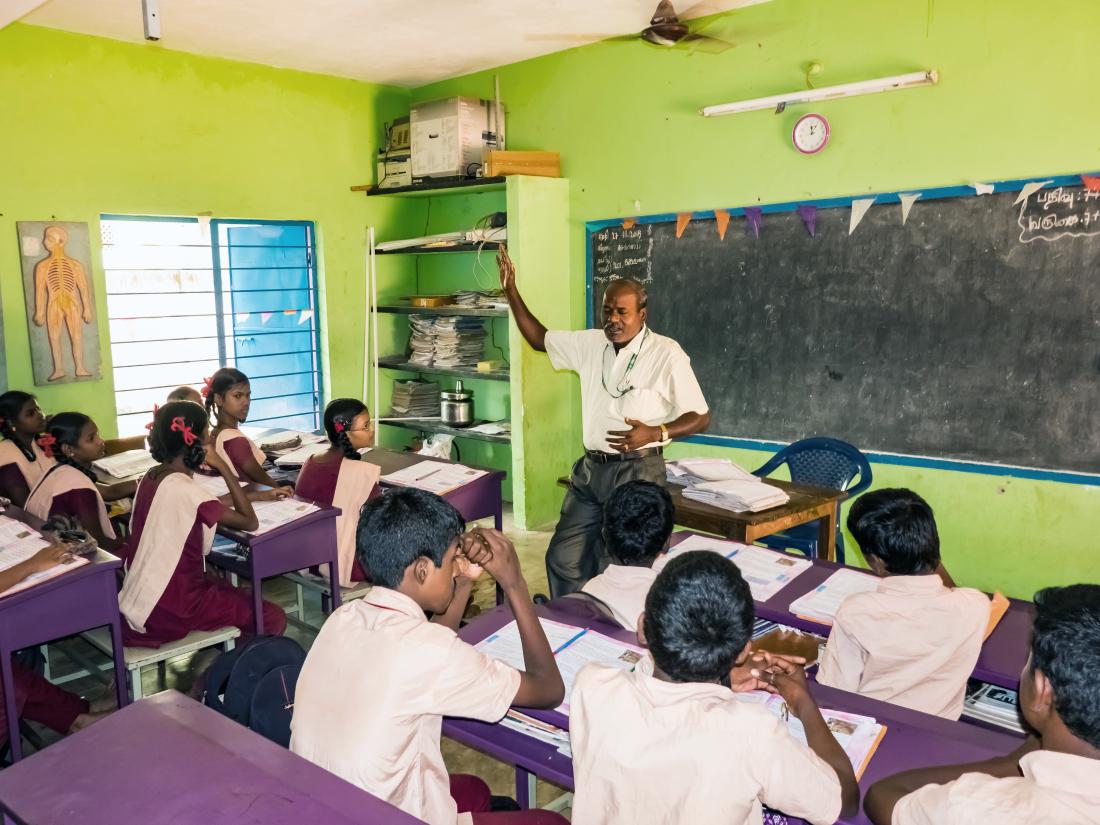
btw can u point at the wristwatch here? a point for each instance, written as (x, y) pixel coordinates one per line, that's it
(664, 433)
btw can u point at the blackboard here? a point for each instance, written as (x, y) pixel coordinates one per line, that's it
(970, 332)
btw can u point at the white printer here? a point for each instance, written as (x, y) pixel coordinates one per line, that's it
(449, 136)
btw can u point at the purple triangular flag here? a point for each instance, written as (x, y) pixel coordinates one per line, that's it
(808, 213)
(753, 217)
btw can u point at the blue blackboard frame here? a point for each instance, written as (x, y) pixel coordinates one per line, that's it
(880, 198)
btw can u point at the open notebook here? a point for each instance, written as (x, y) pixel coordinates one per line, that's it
(18, 542)
(766, 571)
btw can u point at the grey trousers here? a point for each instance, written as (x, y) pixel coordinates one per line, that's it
(576, 552)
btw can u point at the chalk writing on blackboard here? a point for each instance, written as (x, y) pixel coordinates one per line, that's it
(622, 253)
(1050, 214)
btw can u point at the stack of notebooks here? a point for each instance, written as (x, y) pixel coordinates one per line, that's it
(721, 483)
(446, 341)
(415, 398)
(492, 299)
(995, 705)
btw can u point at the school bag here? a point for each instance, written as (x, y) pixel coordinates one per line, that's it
(254, 685)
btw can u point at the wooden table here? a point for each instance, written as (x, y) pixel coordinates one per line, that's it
(807, 503)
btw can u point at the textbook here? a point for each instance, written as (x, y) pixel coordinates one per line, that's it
(688, 471)
(573, 647)
(127, 464)
(821, 603)
(18, 542)
(272, 514)
(995, 705)
(434, 476)
(859, 736)
(766, 571)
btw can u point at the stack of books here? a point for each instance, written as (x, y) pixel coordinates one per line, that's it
(721, 483)
(493, 298)
(446, 341)
(995, 705)
(414, 398)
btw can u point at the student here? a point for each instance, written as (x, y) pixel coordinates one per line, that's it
(36, 699)
(23, 462)
(637, 522)
(670, 743)
(70, 488)
(166, 593)
(914, 641)
(379, 678)
(228, 397)
(185, 393)
(338, 478)
(1054, 777)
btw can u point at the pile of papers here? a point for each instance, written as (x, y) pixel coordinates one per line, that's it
(822, 603)
(766, 571)
(127, 464)
(857, 735)
(995, 705)
(18, 542)
(721, 483)
(492, 427)
(493, 299)
(688, 471)
(272, 514)
(537, 729)
(573, 647)
(414, 398)
(434, 476)
(446, 340)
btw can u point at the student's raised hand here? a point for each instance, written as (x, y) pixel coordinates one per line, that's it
(506, 268)
(503, 563)
(55, 553)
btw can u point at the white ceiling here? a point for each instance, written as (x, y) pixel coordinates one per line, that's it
(403, 42)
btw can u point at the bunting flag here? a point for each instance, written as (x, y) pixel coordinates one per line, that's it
(628, 223)
(753, 218)
(242, 317)
(722, 220)
(1092, 182)
(203, 222)
(1029, 190)
(682, 220)
(265, 317)
(859, 209)
(907, 202)
(305, 316)
(808, 213)
(290, 312)
(982, 188)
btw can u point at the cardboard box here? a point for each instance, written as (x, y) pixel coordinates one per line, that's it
(540, 164)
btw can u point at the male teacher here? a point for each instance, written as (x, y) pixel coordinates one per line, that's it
(637, 393)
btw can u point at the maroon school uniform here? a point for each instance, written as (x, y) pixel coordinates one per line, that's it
(235, 448)
(66, 491)
(37, 700)
(18, 475)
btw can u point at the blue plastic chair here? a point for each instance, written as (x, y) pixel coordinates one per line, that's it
(822, 462)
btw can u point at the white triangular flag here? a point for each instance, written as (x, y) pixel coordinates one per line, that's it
(1030, 189)
(265, 317)
(859, 209)
(982, 188)
(242, 317)
(907, 202)
(305, 316)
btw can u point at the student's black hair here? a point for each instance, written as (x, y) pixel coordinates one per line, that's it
(66, 428)
(165, 443)
(637, 521)
(399, 527)
(899, 527)
(343, 411)
(698, 617)
(11, 405)
(221, 382)
(182, 393)
(1065, 645)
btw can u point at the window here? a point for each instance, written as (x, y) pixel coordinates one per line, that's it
(185, 298)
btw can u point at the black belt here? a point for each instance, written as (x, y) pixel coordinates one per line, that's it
(608, 458)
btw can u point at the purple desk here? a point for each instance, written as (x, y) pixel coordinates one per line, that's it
(167, 760)
(309, 541)
(912, 739)
(82, 599)
(1003, 655)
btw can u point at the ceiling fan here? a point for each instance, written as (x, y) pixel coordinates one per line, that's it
(666, 29)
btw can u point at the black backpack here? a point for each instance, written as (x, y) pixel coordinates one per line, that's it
(254, 685)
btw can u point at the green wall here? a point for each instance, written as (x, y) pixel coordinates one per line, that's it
(97, 126)
(1015, 78)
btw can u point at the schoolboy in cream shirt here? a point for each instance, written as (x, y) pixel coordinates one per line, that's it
(1051, 778)
(380, 676)
(670, 743)
(637, 521)
(914, 641)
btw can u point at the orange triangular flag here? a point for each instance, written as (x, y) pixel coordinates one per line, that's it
(628, 223)
(682, 220)
(722, 219)
(997, 609)
(1092, 182)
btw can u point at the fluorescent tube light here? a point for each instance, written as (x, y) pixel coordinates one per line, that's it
(863, 87)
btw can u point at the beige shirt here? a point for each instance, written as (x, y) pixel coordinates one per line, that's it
(913, 642)
(1056, 788)
(372, 695)
(646, 750)
(623, 589)
(659, 388)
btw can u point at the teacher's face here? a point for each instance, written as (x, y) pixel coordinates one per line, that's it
(622, 319)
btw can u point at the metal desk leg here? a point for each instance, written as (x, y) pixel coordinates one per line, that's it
(257, 597)
(122, 695)
(8, 680)
(334, 584)
(525, 787)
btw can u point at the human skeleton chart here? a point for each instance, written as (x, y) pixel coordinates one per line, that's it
(62, 301)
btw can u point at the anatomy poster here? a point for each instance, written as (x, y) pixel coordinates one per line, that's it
(57, 281)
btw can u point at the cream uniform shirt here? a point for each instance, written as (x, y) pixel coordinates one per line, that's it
(913, 642)
(650, 751)
(623, 589)
(1056, 788)
(659, 388)
(372, 694)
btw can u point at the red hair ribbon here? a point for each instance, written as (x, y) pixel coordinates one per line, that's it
(156, 409)
(339, 426)
(181, 426)
(46, 442)
(207, 386)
